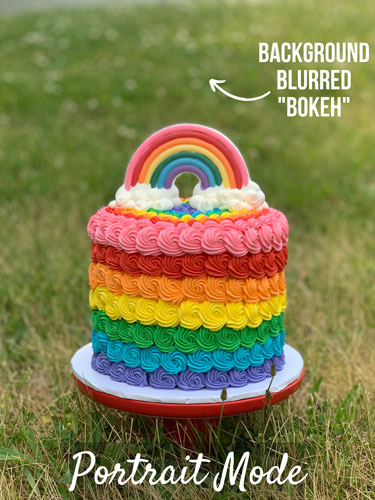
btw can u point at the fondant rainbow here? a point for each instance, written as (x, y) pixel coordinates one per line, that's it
(177, 149)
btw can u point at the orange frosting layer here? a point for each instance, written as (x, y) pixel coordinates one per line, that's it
(198, 289)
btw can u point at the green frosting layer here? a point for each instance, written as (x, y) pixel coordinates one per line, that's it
(167, 339)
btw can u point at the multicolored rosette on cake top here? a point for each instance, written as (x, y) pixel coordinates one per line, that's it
(188, 293)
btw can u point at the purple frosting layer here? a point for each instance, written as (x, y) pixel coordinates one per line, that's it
(186, 208)
(186, 380)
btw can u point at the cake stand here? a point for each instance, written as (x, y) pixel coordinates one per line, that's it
(185, 414)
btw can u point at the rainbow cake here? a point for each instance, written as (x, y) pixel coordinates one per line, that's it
(188, 293)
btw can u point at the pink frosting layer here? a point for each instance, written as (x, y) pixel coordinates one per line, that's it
(261, 234)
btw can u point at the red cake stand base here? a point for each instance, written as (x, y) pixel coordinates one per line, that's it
(187, 416)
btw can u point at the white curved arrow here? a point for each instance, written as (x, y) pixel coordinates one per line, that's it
(214, 84)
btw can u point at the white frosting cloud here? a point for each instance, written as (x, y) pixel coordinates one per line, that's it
(249, 197)
(143, 197)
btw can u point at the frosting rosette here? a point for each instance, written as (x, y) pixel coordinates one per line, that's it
(160, 379)
(189, 380)
(117, 372)
(189, 293)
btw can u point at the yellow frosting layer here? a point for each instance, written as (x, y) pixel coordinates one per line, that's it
(189, 314)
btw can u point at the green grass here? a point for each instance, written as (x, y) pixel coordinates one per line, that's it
(79, 90)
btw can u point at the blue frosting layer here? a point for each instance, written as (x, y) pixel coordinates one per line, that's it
(174, 362)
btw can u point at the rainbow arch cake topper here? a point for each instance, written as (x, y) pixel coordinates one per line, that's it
(202, 151)
(187, 148)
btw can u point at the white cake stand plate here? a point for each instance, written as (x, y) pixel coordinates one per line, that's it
(187, 416)
(177, 403)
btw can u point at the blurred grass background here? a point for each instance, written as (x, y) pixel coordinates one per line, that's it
(79, 90)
